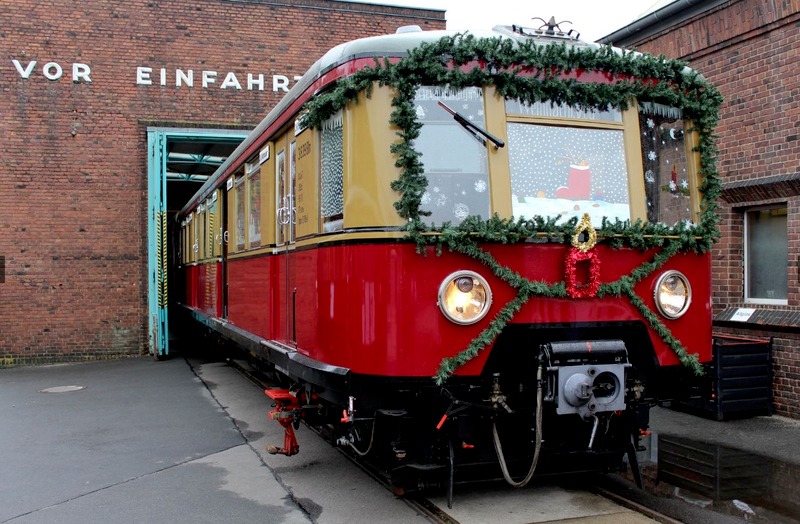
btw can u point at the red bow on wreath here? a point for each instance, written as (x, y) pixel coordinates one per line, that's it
(588, 289)
(582, 252)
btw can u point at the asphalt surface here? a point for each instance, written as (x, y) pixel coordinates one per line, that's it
(178, 441)
(140, 441)
(183, 440)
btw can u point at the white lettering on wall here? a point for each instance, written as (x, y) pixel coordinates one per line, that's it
(144, 76)
(209, 77)
(252, 83)
(81, 72)
(184, 78)
(280, 83)
(53, 71)
(231, 81)
(24, 73)
(213, 79)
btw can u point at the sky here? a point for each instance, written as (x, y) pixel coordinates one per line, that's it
(593, 19)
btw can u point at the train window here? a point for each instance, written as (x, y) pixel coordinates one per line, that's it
(332, 173)
(664, 158)
(213, 224)
(253, 171)
(239, 206)
(292, 189)
(200, 240)
(182, 254)
(192, 235)
(766, 255)
(568, 170)
(454, 157)
(283, 214)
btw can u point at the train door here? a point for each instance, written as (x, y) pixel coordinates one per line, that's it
(285, 229)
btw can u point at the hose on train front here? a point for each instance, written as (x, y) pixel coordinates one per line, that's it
(498, 447)
(371, 441)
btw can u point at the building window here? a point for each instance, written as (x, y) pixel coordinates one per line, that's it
(766, 256)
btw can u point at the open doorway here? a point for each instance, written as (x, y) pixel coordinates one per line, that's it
(179, 161)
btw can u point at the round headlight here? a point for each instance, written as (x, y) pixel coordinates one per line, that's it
(464, 297)
(672, 294)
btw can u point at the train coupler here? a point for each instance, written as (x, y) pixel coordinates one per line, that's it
(288, 413)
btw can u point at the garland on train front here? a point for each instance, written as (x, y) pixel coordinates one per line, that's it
(430, 64)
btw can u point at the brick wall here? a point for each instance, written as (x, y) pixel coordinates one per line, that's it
(74, 170)
(750, 50)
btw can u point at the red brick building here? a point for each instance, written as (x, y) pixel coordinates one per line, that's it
(97, 101)
(750, 49)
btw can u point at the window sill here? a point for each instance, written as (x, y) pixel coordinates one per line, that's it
(773, 319)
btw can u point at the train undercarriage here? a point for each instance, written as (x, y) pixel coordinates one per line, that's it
(564, 407)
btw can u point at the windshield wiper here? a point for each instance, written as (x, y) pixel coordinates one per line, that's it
(475, 130)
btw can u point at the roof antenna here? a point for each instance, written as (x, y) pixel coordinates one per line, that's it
(552, 25)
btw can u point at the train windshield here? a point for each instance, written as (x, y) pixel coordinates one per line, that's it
(565, 161)
(454, 159)
(664, 158)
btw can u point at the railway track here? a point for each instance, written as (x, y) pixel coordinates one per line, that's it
(534, 504)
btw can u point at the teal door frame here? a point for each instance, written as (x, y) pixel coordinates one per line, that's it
(158, 139)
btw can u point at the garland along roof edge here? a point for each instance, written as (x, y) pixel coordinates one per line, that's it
(394, 45)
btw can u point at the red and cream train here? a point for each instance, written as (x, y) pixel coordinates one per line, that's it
(468, 253)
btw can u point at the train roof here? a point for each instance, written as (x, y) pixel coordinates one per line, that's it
(396, 45)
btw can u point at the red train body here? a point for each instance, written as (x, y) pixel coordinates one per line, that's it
(363, 327)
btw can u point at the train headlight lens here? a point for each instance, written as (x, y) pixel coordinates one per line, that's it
(672, 294)
(464, 297)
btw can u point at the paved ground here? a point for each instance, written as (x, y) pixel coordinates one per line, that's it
(183, 441)
(145, 441)
(140, 442)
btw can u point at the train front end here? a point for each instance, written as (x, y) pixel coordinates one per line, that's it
(557, 284)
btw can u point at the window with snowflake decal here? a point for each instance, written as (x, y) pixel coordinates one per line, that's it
(666, 175)
(454, 159)
(332, 173)
(565, 169)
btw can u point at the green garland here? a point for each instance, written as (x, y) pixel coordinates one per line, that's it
(635, 76)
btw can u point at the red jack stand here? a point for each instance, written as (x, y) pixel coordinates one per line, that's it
(287, 410)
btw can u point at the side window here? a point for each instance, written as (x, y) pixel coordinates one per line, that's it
(182, 248)
(292, 189)
(239, 207)
(666, 175)
(200, 240)
(766, 255)
(332, 174)
(213, 225)
(253, 172)
(282, 216)
(192, 238)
